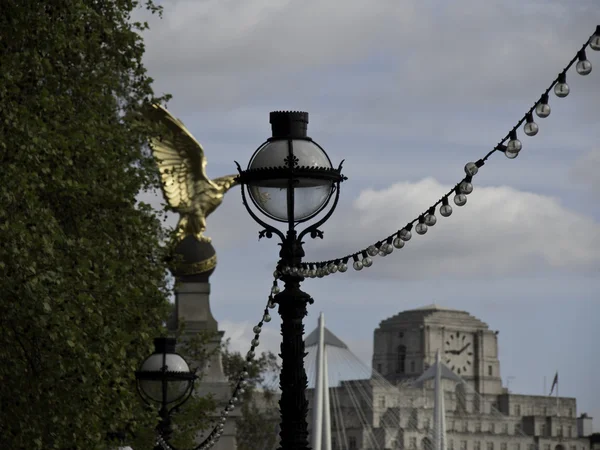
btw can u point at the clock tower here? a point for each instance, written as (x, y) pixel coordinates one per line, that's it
(405, 346)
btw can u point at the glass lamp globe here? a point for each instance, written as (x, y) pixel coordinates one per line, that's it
(310, 195)
(511, 155)
(164, 356)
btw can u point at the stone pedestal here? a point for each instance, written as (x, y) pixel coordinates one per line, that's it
(192, 306)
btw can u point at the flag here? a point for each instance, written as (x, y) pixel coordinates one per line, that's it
(554, 383)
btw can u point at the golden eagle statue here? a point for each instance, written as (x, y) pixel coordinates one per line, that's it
(182, 164)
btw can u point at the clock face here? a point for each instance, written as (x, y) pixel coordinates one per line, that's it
(458, 352)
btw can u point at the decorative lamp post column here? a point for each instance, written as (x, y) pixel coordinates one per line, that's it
(165, 378)
(290, 179)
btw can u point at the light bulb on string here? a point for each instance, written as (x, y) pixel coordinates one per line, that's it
(445, 209)
(561, 89)
(398, 242)
(430, 219)
(343, 266)
(405, 233)
(389, 248)
(542, 108)
(466, 187)
(514, 145)
(372, 250)
(421, 228)
(366, 260)
(595, 40)
(357, 264)
(531, 128)
(460, 199)
(583, 67)
(471, 168)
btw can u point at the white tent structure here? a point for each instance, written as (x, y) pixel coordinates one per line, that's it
(437, 372)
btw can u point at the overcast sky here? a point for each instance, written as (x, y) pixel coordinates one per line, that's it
(407, 92)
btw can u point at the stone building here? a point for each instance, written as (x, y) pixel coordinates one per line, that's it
(389, 412)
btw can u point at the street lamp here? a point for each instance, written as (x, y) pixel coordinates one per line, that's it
(290, 179)
(165, 378)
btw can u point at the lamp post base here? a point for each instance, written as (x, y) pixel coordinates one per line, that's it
(293, 382)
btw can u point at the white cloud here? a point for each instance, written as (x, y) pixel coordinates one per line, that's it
(220, 53)
(501, 231)
(241, 334)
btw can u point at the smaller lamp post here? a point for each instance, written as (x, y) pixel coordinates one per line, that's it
(165, 378)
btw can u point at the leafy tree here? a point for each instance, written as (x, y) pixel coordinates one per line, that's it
(82, 277)
(258, 425)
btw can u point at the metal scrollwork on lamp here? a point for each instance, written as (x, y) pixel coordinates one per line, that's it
(290, 179)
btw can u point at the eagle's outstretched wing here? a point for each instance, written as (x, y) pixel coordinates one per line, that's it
(180, 157)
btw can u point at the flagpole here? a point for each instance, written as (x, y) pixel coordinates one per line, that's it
(557, 400)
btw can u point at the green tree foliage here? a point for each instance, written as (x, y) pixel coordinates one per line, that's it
(82, 278)
(258, 425)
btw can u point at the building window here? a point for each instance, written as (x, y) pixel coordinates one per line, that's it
(531, 446)
(427, 424)
(493, 427)
(516, 446)
(543, 429)
(401, 368)
(570, 412)
(463, 445)
(412, 367)
(570, 431)
(379, 368)
(466, 426)
(453, 425)
(426, 443)
(490, 446)
(382, 402)
(518, 428)
(545, 411)
(505, 428)
(503, 446)
(476, 445)
(517, 410)
(333, 444)
(352, 443)
(559, 431)
(401, 334)
(412, 442)
(451, 444)
(477, 427)
(490, 371)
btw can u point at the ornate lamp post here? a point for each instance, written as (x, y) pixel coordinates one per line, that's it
(165, 377)
(290, 179)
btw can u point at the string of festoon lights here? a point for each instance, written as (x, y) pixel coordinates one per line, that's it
(241, 383)
(364, 258)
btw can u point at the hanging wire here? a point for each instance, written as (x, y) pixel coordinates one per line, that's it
(385, 246)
